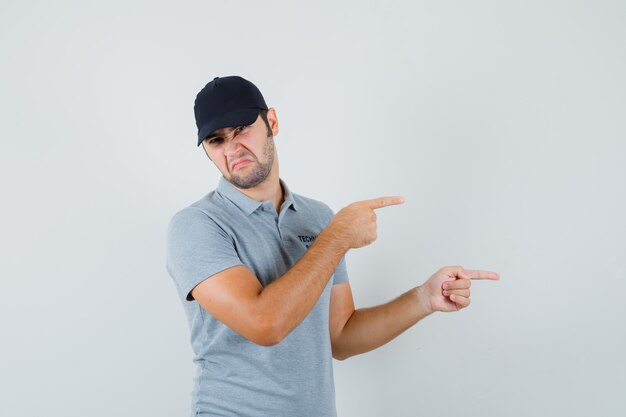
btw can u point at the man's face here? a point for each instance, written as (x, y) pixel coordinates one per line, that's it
(244, 154)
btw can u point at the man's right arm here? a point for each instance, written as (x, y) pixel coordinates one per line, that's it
(267, 315)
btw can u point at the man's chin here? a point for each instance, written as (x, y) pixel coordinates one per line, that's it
(245, 182)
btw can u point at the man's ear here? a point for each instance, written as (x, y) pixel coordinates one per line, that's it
(272, 119)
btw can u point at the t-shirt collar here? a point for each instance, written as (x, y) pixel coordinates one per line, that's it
(247, 204)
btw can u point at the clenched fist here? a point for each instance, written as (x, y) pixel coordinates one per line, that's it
(355, 224)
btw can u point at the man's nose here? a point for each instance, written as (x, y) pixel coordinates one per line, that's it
(232, 145)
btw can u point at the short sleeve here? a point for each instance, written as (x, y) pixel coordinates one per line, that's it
(197, 248)
(341, 273)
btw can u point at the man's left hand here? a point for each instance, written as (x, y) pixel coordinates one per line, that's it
(449, 288)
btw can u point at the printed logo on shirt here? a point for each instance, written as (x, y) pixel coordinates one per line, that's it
(307, 240)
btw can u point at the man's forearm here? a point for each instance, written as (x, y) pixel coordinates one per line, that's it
(291, 297)
(369, 328)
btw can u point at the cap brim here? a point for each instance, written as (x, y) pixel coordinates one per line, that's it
(237, 118)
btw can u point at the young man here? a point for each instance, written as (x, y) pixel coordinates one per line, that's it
(262, 274)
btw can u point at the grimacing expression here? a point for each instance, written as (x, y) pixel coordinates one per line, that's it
(233, 152)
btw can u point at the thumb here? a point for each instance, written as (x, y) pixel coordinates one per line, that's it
(463, 275)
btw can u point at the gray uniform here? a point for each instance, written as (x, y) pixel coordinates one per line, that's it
(237, 377)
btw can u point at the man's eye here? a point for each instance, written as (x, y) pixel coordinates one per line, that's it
(213, 141)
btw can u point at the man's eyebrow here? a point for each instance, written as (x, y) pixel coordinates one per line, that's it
(213, 135)
(216, 135)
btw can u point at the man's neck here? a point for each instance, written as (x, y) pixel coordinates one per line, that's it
(270, 189)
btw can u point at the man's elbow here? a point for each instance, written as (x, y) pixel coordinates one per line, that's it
(339, 354)
(263, 340)
(267, 340)
(269, 332)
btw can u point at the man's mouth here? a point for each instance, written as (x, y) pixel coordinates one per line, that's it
(239, 163)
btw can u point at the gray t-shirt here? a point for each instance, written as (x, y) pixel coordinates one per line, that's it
(237, 377)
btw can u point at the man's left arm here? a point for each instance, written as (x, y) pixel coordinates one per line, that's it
(358, 331)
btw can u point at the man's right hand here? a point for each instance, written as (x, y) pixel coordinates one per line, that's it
(355, 224)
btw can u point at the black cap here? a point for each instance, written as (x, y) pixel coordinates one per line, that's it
(227, 102)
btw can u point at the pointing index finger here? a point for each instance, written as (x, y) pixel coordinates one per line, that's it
(480, 274)
(381, 202)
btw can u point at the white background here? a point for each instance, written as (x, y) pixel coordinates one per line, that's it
(502, 123)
